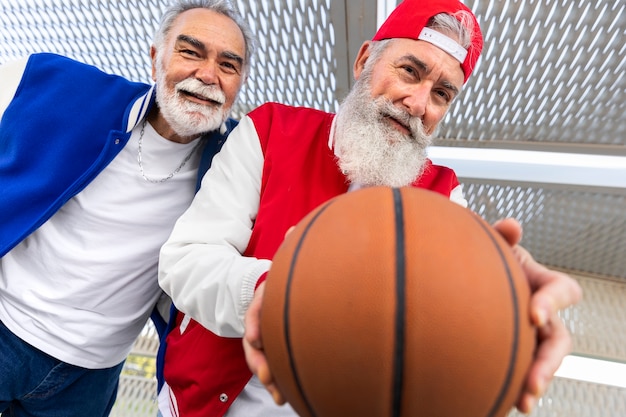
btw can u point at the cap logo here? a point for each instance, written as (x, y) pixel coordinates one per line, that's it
(443, 42)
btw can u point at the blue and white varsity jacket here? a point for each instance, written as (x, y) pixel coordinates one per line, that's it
(61, 123)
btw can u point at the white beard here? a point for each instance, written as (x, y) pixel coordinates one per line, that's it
(370, 149)
(186, 118)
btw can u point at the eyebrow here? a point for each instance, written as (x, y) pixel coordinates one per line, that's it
(200, 45)
(233, 56)
(422, 65)
(192, 41)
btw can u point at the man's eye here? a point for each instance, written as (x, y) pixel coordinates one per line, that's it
(230, 67)
(409, 69)
(443, 95)
(189, 52)
(410, 73)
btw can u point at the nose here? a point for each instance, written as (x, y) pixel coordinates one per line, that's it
(207, 72)
(416, 99)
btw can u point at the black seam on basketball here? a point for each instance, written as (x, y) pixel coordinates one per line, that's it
(516, 322)
(292, 265)
(399, 339)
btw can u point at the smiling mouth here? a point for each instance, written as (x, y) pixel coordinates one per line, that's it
(200, 97)
(399, 125)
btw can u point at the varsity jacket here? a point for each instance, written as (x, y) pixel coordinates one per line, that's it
(84, 117)
(61, 123)
(275, 169)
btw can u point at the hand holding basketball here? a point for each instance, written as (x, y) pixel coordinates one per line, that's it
(552, 292)
(396, 302)
(253, 346)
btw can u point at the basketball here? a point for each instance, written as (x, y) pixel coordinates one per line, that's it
(396, 302)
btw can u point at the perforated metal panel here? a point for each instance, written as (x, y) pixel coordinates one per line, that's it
(570, 398)
(137, 391)
(597, 324)
(115, 36)
(294, 63)
(136, 397)
(576, 228)
(551, 71)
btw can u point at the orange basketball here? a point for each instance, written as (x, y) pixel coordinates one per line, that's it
(397, 302)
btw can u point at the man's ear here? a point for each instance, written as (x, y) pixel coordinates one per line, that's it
(153, 53)
(359, 62)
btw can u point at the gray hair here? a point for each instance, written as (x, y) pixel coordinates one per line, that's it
(224, 7)
(376, 50)
(459, 25)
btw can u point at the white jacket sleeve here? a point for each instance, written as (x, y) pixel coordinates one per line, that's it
(201, 265)
(456, 196)
(10, 78)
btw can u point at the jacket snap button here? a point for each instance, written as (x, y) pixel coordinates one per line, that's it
(117, 141)
(223, 398)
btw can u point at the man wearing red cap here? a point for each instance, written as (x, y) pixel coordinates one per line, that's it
(284, 161)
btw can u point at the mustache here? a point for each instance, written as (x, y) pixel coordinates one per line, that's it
(412, 123)
(201, 90)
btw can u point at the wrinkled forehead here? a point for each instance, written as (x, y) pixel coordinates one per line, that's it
(207, 27)
(427, 58)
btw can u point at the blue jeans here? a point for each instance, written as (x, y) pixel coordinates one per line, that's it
(33, 384)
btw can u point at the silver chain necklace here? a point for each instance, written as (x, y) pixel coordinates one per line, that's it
(182, 164)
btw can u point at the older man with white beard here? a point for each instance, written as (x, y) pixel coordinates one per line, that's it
(370, 150)
(93, 175)
(280, 163)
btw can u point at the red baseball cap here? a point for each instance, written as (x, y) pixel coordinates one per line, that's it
(409, 20)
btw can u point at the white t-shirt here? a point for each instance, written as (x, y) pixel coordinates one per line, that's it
(82, 286)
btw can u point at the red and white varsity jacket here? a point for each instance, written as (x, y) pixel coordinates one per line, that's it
(275, 168)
